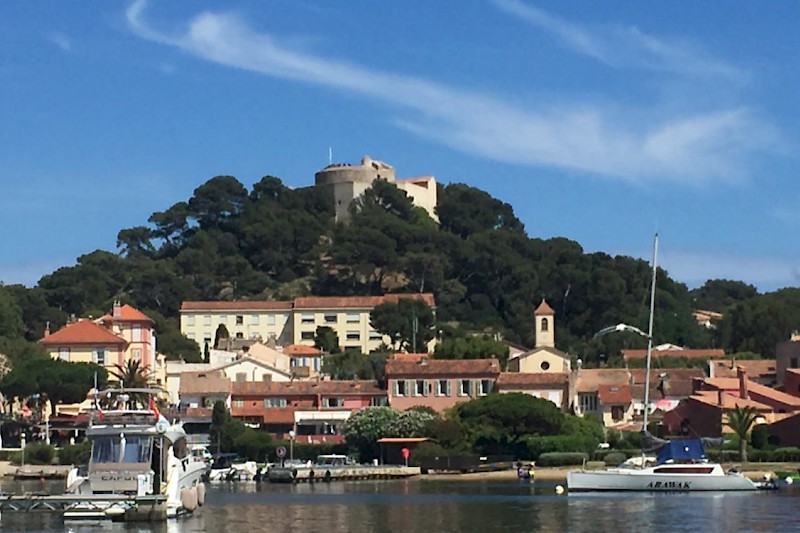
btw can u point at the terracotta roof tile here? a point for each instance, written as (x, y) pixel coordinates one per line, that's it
(679, 382)
(239, 305)
(357, 302)
(726, 368)
(544, 309)
(442, 367)
(304, 388)
(531, 379)
(83, 331)
(700, 353)
(614, 394)
(301, 349)
(127, 313)
(589, 379)
(209, 382)
(729, 401)
(732, 384)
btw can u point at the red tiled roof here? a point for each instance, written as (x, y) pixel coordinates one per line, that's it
(544, 309)
(289, 388)
(732, 384)
(614, 394)
(589, 379)
(729, 401)
(531, 379)
(209, 382)
(415, 357)
(679, 382)
(442, 367)
(700, 353)
(83, 331)
(301, 349)
(726, 368)
(239, 305)
(127, 313)
(357, 302)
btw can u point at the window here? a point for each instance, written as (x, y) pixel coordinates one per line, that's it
(588, 401)
(274, 402)
(253, 320)
(332, 402)
(420, 387)
(207, 320)
(443, 387)
(190, 336)
(401, 387)
(99, 356)
(353, 336)
(136, 333)
(63, 354)
(137, 449)
(375, 336)
(485, 387)
(238, 403)
(223, 319)
(190, 320)
(353, 318)
(545, 324)
(241, 376)
(239, 335)
(617, 412)
(307, 318)
(379, 401)
(270, 320)
(239, 320)
(464, 387)
(137, 354)
(307, 335)
(330, 318)
(545, 366)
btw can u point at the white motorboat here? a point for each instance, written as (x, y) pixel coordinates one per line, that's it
(228, 467)
(139, 460)
(681, 465)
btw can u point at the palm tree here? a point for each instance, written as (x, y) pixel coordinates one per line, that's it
(133, 375)
(740, 420)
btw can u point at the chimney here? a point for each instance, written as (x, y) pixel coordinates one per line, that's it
(47, 329)
(719, 397)
(117, 310)
(742, 375)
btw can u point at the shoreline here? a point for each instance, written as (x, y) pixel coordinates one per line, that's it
(754, 471)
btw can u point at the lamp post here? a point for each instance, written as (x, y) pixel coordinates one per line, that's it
(22, 446)
(292, 434)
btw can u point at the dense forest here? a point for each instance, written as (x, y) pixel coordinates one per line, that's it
(485, 269)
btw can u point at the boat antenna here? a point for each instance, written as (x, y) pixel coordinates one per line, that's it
(650, 334)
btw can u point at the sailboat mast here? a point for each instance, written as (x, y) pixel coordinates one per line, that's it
(650, 333)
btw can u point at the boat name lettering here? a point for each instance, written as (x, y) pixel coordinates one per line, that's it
(680, 485)
(120, 477)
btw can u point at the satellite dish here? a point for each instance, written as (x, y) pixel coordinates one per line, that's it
(162, 426)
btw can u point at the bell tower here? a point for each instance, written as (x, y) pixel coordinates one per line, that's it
(544, 318)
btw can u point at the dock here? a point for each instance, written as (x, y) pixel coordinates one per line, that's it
(323, 474)
(101, 506)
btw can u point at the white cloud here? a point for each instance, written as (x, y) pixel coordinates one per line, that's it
(620, 142)
(619, 46)
(60, 40)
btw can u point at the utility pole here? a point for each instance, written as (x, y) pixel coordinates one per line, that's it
(414, 329)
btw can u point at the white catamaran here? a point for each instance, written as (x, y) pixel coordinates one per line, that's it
(680, 465)
(140, 465)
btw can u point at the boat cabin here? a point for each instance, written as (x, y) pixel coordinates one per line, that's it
(334, 460)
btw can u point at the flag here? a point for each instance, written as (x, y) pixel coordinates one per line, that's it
(154, 408)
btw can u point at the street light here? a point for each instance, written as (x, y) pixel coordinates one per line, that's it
(292, 434)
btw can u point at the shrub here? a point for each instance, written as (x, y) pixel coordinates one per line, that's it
(426, 450)
(75, 454)
(614, 458)
(559, 444)
(562, 459)
(759, 436)
(36, 453)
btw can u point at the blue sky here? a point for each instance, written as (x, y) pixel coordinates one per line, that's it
(599, 122)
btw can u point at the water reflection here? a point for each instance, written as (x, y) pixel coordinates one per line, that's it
(450, 506)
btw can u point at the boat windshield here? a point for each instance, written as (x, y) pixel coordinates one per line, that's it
(130, 449)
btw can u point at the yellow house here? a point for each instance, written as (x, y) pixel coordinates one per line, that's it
(114, 339)
(292, 322)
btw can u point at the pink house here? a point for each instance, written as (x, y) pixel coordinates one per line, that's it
(417, 380)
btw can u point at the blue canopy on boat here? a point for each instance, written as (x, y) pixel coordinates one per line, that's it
(682, 450)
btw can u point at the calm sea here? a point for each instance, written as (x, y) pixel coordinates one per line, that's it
(433, 506)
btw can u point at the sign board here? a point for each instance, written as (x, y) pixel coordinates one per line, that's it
(280, 451)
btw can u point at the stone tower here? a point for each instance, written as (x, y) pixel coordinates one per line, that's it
(544, 317)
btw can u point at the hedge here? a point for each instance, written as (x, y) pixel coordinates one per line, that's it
(559, 444)
(615, 458)
(562, 459)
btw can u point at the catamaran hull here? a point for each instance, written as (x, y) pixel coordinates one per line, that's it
(647, 481)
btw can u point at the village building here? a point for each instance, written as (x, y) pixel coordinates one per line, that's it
(544, 357)
(417, 380)
(553, 386)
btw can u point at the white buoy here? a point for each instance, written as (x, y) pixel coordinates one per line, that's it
(789, 480)
(559, 489)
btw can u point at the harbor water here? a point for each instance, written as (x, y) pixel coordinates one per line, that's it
(450, 506)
